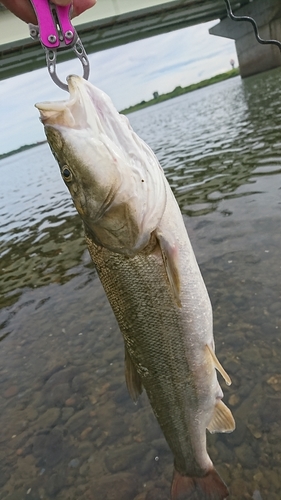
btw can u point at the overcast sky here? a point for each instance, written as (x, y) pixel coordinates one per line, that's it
(128, 73)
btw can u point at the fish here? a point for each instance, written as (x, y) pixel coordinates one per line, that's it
(137, 239)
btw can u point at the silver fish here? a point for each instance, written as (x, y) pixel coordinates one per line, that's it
(138, 242)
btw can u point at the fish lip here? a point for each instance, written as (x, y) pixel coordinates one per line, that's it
(83, 108)
(48, 106)
(49, 111)
(74, 83)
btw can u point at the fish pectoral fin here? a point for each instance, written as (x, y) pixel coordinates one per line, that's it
(170, 258)
(218, 366)
(222, 420)
(133, 380)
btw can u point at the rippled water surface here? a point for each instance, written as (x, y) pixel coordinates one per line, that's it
(68, 429)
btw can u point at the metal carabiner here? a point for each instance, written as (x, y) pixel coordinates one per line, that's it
(56, 32)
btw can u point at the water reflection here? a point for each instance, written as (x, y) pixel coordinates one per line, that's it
(68, 429)
(211, 147)
(38, 224)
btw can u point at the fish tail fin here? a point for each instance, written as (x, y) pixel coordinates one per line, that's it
(208, 487)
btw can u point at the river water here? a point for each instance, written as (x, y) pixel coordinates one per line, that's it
(68, 429)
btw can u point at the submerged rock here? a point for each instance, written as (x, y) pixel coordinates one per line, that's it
(119, 486)
(47, 419)
(156, 494)
(125, 457)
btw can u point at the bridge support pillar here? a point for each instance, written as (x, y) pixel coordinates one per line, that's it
(252, 56)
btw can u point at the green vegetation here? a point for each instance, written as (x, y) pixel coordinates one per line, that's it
(22, 148)
(182, 90)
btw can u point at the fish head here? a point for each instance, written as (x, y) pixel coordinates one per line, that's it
(77, 141)
(112, 175)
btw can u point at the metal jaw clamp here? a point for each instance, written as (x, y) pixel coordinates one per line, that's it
(55, 32)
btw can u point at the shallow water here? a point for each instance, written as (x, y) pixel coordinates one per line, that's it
(68, 429)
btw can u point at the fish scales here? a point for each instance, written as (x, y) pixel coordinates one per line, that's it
(163, 339)
(154, 336)
(137, 239)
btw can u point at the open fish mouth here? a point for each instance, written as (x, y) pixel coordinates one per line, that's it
(71, 113)
(88, 108)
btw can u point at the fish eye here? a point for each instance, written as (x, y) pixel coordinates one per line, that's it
(66, 173)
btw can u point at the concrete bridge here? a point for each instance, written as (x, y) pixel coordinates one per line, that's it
(116, 22)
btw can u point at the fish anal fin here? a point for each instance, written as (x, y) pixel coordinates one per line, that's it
(218, 366)
(208, 487)
(133, 380)
(169, 252)
(222, 419)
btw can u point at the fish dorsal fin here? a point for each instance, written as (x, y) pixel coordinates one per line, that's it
(133, 380)
(219, 367)
(222, 419)
(170, 259)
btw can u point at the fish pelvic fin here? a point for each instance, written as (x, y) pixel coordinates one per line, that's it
(133, 380)
(170, 258)
(218, 366)
(208, 487)
(222, 420)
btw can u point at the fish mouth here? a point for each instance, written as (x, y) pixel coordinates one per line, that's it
(90, 110)
(78, 112)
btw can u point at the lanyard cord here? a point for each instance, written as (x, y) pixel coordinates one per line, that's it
(253, 23)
